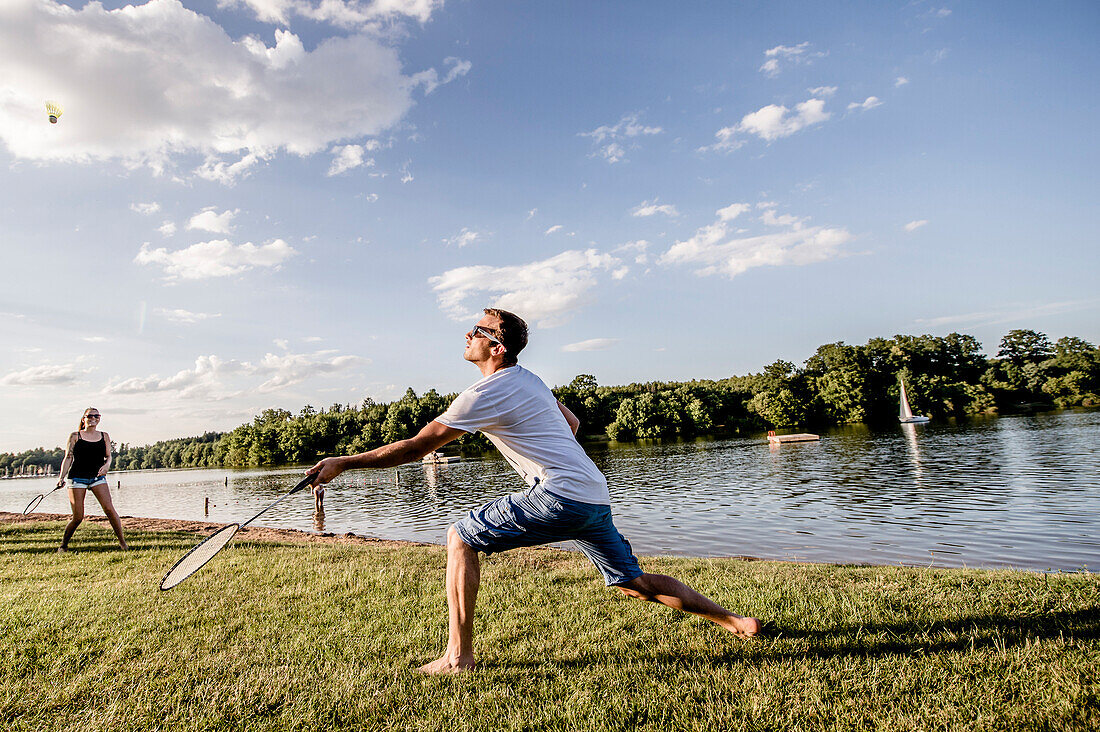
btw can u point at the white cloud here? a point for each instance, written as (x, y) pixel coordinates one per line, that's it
(179, 315)
(429, 79)
(868, 103)
(167, 228)
(293, 368)
(626, 128)
(552, 229)
(769, 218)
(208, 220)
(651, 208)
(637, 248)
(547, 291)
(204, 380)
(822, 91)
(531, 214)
(216, 258)
(1013, 313)
(779, 56)
(771, 123)
(406, 176)
(214, 378)
(464, 237)
(900, 81)
(45, 375)
(153, 83)
(592, 344)
(342, 13)
(145, 209)
(612, 153)
(717, 249)
(347, 157)
(732, 211)
(914, 225)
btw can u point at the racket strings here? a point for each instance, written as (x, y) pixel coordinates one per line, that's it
(33, 504)
(193, 560)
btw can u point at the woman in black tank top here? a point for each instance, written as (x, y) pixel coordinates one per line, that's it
(87, 458)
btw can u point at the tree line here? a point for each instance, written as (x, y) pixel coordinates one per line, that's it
(945, 377)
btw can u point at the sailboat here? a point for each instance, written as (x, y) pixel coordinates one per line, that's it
(905, 414)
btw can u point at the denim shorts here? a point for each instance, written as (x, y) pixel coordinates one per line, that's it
(88, 482)
(537, 516)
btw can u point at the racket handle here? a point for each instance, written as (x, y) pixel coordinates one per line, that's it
(308, 480)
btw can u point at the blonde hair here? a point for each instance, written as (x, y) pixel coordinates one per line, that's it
(89, 409)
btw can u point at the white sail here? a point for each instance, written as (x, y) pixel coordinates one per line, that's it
(906, 413)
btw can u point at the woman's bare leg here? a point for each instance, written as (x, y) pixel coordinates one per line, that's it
(103, 494)
(76, 505)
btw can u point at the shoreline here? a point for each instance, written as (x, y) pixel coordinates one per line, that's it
(205, 528)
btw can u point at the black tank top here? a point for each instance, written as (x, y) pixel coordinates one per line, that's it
(88, 458)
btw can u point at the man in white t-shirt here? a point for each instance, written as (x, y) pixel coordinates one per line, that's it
(566, 499)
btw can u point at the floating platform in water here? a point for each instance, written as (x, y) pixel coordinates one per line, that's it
(775, 439)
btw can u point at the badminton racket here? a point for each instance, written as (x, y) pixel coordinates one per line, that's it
(36, 500)
(205, 550)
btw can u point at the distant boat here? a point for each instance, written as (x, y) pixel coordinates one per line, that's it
(905, 415)
(435, 457)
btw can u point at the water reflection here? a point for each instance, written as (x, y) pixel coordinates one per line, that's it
(1010, 491)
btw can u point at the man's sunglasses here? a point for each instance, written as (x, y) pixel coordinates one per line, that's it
(477, 330)
(91, 416)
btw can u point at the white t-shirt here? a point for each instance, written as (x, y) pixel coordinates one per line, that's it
(520, 415)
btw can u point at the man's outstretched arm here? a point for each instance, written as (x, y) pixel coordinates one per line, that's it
(434, 436)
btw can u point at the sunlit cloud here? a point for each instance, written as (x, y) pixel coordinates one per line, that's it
(1014, 313)
(158, 84)
(610, 138)
(209, 220)
(770, 123)
(179, 315)
(464, 238)
(719, 249)
(145, 209)
(868, 103)
(216, 258)
(592, 344)
(780, 56)
(341, 13)
(548, 291)
(46, 375)
(914, 225)
(651, 208)
(348, 157)
(215, 378)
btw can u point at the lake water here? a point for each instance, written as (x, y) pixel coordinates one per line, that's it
(1020, 491)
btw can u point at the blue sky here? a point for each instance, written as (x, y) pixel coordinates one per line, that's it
(272, 203)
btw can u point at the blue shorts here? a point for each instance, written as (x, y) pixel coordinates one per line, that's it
(88, 482)
(537, 516)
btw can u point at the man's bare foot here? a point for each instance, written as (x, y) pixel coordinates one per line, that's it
(62, 549)
(742, 627)
(447, 665)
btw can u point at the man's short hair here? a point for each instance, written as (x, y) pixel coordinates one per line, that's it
(512, 332)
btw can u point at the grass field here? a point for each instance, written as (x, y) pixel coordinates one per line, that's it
(307, 637)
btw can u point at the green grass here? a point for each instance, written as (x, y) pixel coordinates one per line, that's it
(290, 637)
